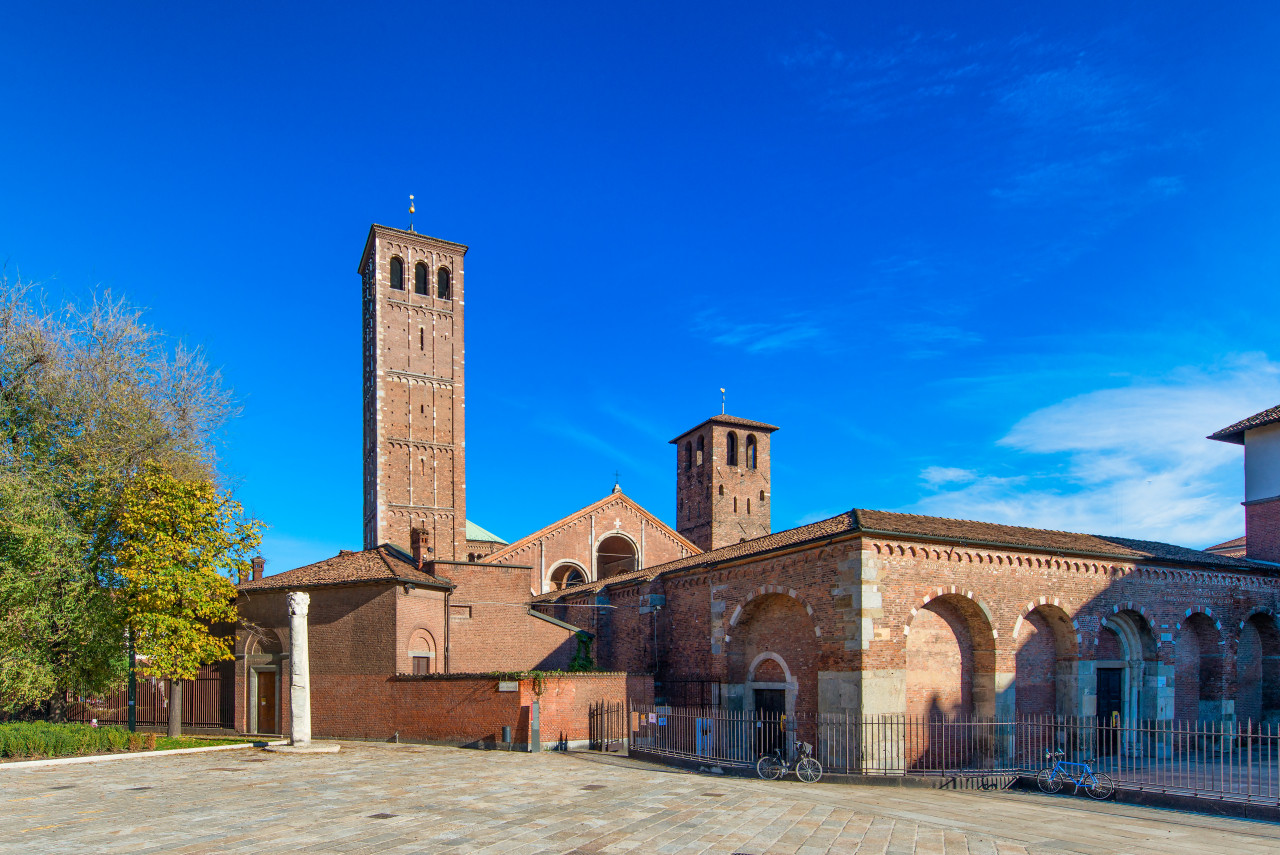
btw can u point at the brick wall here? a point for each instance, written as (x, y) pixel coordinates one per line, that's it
(465, 710)
(1262, 530)
(860, 602)
(489, 625)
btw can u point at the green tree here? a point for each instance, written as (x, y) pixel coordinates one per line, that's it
(92, 400)
(180, 543)
(59, 628)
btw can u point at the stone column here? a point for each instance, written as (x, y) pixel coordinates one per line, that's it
(299, 670)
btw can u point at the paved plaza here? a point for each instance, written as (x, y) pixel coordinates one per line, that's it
(404, 799)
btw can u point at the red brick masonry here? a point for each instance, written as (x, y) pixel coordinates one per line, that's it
(463, 710)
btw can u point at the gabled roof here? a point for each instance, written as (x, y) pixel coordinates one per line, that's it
(496, 557)
(728, 420)
(476, 533)
(385, 563)
(1235, 433)
(962, 532)
(1234, 547)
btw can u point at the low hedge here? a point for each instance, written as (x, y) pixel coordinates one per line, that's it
(32, 739)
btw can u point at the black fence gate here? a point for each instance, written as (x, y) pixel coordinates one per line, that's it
(608, 726)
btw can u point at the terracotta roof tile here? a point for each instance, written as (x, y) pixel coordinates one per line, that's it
(729, 420)
(386, 563)
(1235, 433)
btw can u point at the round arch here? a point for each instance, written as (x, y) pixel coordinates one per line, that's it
(615, 552)
(563, 574)
(1258, 668)
(950, 657)
(1046, 655)
(420, 650)
(765, 590)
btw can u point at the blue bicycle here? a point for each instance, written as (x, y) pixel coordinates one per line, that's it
(1051, 778)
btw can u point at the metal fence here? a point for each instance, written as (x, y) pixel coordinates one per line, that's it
(607, 726)
(1239, 761)
(207, 701)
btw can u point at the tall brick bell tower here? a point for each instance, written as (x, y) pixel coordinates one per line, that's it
(723, 482)
(413, 394)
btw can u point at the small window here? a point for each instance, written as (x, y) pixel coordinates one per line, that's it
(397, 274)
(422, 334)
(421, 665)
(701, 448)
(762, 495)
(420, 285)
(688, 456)
(722, 489)
(731, 449)
(735, 504)
(751, 451)
(748, 505)
(442, 283)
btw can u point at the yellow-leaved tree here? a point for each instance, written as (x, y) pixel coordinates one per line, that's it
(181, 543)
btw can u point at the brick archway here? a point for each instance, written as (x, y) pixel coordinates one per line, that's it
(766, 590)
(947, 592)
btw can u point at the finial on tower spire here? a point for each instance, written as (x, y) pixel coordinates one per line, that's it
(410, 212)
(722, 400)
(617, 482)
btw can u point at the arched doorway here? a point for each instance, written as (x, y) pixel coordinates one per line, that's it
(950, 660)
(616, 554)
(1044, 663)
(772, 648)
(1258, 670)
(1126, 654)
(566, 574)
(422, 653)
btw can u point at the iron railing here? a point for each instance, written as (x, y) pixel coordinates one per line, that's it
(1237, 761)
(207, 701)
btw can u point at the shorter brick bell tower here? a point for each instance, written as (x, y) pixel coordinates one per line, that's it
(723, 481)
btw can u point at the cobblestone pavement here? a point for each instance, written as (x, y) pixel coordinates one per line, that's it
(403, 799)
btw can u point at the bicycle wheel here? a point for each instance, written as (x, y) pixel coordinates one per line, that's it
(808, 770)
(769, 768)
(1101, 787)
(1049, 780)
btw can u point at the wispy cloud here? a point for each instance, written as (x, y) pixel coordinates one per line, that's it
(783, 333)
(1129, 461)
(588, 440)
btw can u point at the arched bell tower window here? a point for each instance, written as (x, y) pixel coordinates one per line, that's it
(731, 449)
(442, 283)
(701, 448)
(751, 451)
(420, 285)
(688, 456)
(397, 274)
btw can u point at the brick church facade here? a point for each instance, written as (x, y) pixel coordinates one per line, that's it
(869, 612)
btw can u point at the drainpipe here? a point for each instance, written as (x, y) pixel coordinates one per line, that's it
(447, 594)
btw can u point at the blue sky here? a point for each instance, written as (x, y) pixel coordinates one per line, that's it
(993, 261)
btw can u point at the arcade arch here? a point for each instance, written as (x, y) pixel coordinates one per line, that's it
(950, 660)
(1258, 670)
(1045, 655)
(565, 574)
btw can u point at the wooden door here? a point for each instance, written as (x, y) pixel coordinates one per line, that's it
(1110, 708)
(771, 708)
(267, 722)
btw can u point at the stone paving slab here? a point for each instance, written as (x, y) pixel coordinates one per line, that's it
(415, 799)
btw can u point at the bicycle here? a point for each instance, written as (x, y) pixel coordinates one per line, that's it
(772, 766)
(1051, 778)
